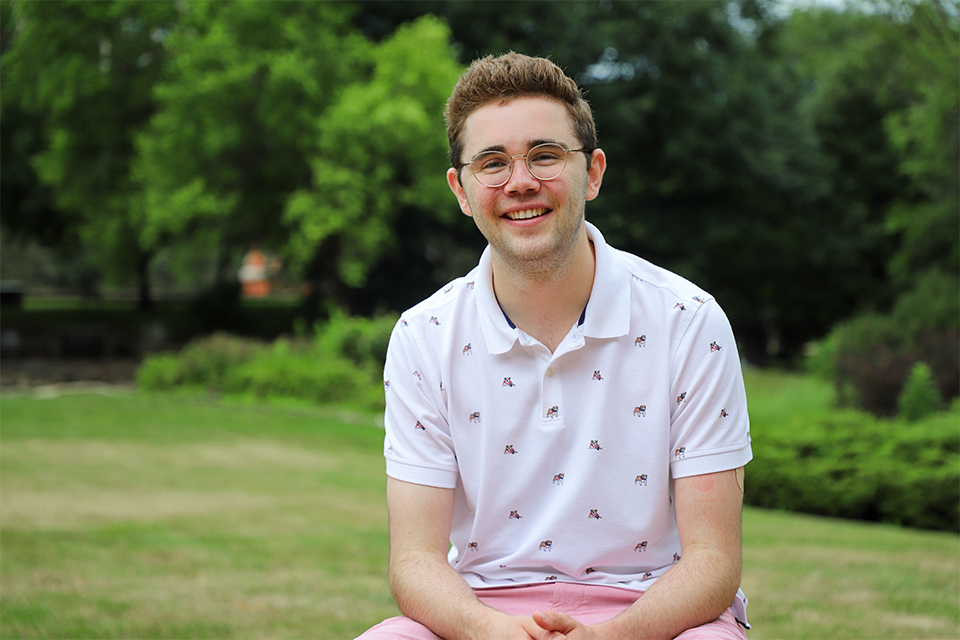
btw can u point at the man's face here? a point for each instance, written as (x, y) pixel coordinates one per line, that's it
(528, 222)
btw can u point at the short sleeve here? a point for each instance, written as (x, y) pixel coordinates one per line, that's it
(418, 446)
(710, 426)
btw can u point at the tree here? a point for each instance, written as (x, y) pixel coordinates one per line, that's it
(917, 125)
(379, 155)
(83, 72)
(926, 135)
(280, 125)
(237, 119)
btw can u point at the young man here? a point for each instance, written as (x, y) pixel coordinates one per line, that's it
(566, 424)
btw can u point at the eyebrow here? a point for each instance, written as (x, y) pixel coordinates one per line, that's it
(499, 148)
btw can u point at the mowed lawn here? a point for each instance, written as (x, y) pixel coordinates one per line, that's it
(151, 516)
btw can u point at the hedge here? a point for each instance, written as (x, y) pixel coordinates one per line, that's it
(341, 363)
(853, 465)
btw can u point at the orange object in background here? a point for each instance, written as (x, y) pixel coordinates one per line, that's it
(253, 275)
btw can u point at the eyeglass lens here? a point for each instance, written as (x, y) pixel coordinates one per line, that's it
(545, 162)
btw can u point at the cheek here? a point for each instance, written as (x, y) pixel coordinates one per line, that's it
(477, 203)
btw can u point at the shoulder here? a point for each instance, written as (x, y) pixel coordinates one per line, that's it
(445, 303)
(649, 279)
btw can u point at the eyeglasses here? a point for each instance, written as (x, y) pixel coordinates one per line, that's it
(544, 161)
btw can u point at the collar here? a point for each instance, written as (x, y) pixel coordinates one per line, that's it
(607, 314)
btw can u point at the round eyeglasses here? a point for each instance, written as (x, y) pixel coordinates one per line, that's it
(544, 161)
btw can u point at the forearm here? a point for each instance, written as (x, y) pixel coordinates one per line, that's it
(428, 590)
(694, 592)
(704, 582)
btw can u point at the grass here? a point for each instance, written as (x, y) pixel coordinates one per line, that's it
(170, 516)
(159, 517)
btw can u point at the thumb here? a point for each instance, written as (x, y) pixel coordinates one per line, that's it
(554, 621)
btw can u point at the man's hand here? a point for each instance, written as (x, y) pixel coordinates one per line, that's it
(512, 628)
(559, 626)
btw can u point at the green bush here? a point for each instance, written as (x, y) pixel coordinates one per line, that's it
(849, 464)
(362, 340)
(205, 362)
(870, 357)
(920, 396)
(343, 364)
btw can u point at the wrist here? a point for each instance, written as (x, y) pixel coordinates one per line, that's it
(481, 623)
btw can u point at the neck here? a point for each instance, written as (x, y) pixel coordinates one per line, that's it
(546, 302)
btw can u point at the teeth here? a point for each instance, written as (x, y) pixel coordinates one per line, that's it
(526, 214)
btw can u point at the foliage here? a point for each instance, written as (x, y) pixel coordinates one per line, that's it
(926, 134)
(361, 340)
(911, 172)
(869, 357)
(83, 73)
(282, 127)
(380, 151)
(795, 163)
(813, 458)
(342, 364)
(919, 397)
(236, 121)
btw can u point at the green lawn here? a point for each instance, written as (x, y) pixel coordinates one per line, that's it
(149, 516)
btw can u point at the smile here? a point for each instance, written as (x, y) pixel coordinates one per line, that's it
(526, 214)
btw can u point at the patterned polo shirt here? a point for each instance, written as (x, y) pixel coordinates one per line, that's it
(563, 463)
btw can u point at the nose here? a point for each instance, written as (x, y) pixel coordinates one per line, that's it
(521, 180)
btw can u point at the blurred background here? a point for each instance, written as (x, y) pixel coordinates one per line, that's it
(797, 160)
(237, 199)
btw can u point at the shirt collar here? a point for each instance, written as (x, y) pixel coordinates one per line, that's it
(607, 314)
(608, 311)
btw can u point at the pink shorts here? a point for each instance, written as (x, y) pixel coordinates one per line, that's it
(588, 603)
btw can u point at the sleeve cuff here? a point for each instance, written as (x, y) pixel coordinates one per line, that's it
(441, 478)
(711, 462)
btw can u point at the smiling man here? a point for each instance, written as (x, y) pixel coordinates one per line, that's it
(566, 424)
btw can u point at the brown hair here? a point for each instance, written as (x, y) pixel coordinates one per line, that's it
(513, 75)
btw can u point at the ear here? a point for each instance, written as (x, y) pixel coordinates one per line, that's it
(598, 164)
(458, 191)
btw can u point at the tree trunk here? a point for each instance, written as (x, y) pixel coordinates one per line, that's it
(144, 295)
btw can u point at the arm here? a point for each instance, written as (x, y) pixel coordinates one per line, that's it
(425, 586)
(698, 588)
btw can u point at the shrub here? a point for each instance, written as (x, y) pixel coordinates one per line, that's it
(920, 396)
(203, 362)
(342, 364)
(362, 340)
(870, 357)
(849, 464)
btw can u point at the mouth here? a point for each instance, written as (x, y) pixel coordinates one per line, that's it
(526, 214)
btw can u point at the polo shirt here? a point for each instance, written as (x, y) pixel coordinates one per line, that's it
(563, 463)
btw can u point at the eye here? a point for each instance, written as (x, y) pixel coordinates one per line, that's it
(547, 155)
(491, 163)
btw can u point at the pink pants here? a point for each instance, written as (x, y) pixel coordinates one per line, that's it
(586, 603)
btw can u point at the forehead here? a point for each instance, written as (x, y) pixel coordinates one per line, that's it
(517, 125)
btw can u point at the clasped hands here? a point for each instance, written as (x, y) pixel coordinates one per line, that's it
(550, 625)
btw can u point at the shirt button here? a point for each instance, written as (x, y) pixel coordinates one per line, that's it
(550, 372)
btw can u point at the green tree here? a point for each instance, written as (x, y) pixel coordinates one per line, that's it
(909, 71)
(85, 71)
(926, 135)
(280, 125)
(379, 155)
(237, 119)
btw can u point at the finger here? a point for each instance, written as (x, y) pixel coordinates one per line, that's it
(534, 631)
(554, 621)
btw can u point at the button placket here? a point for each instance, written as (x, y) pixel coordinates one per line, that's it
(551, 411)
